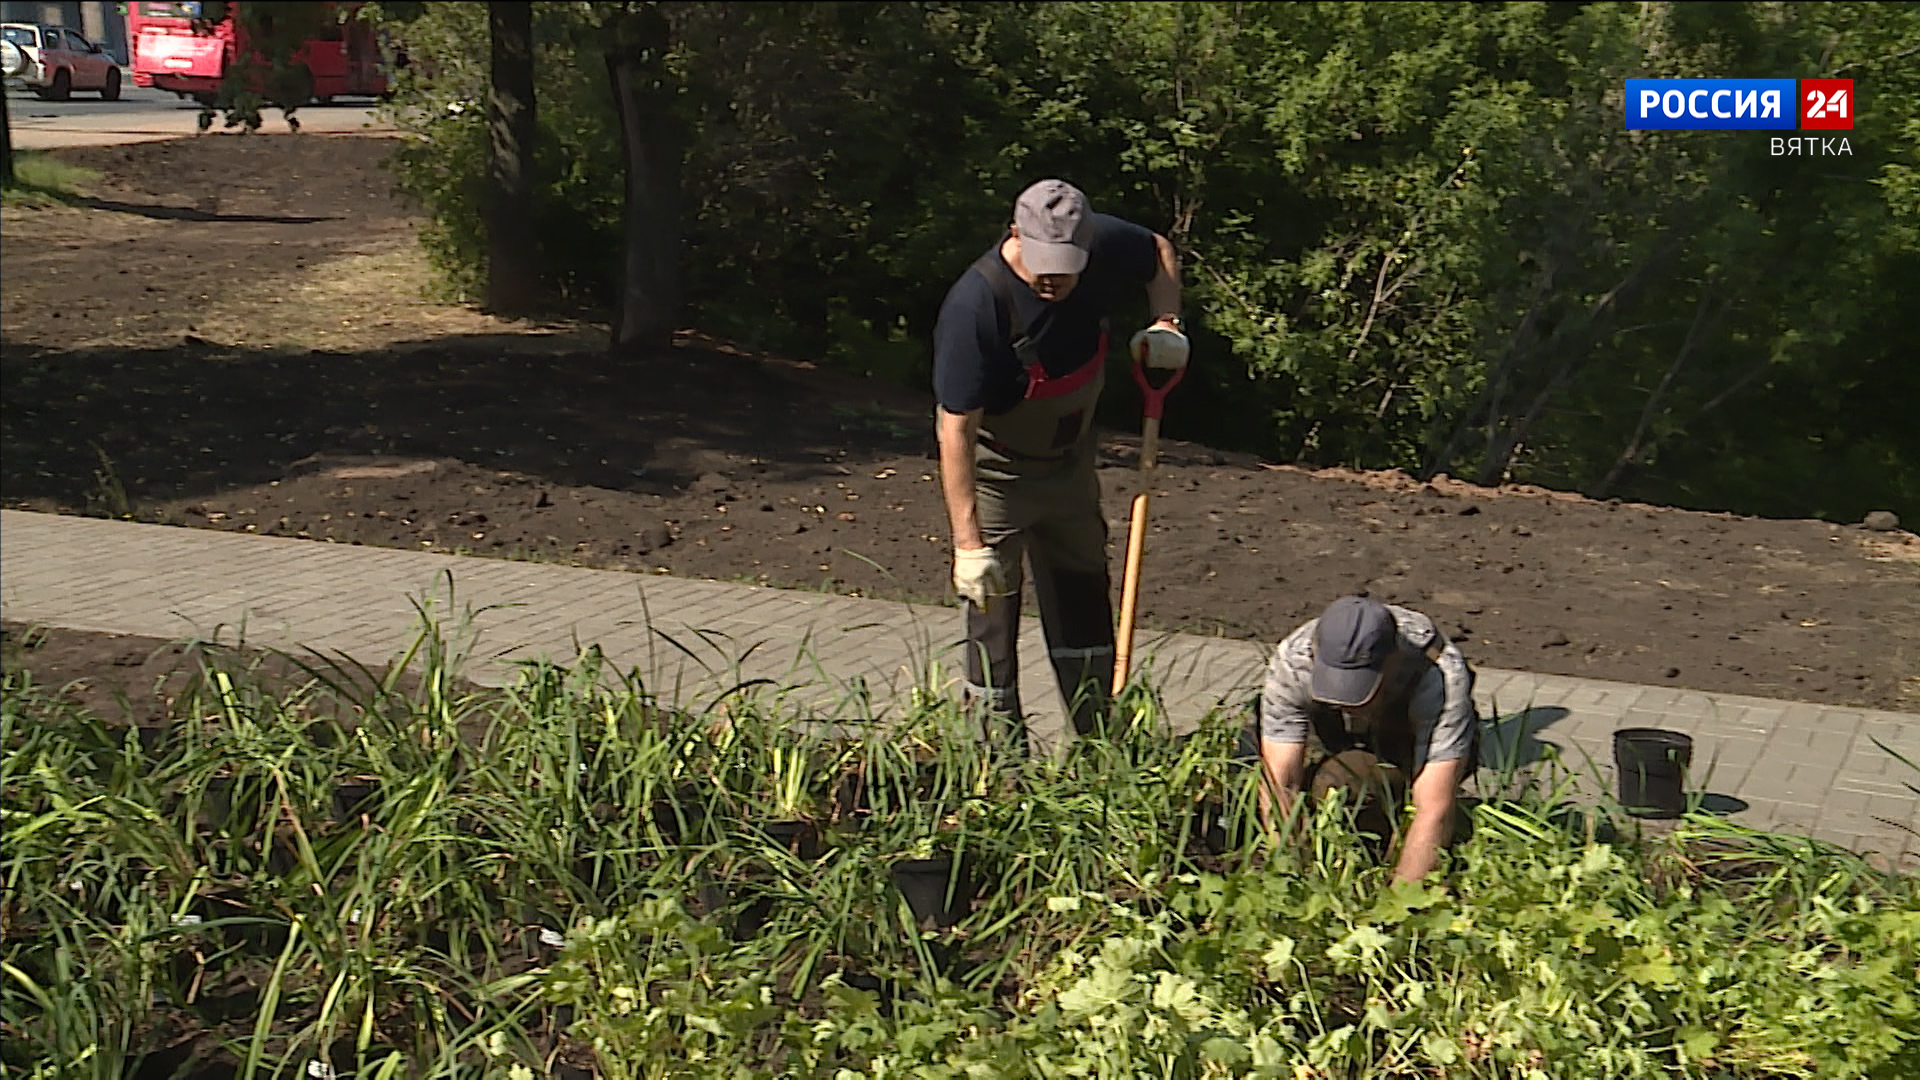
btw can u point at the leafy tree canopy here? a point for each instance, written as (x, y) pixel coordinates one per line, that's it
(1415, 235)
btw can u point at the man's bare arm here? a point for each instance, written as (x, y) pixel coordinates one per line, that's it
(1284, 770)
(1435, 791)
(957, 432)
(1163, 292)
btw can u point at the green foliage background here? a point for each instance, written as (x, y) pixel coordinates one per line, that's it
(1416, 235)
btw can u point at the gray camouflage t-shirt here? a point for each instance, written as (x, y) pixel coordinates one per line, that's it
(1440, 704)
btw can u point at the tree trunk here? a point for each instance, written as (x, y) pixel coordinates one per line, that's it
(1487, 402)
(6, 141)
(650, 287)
(513, 254)
(1506, 437)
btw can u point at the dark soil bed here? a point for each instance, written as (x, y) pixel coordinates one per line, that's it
(177, 227)
(126, 679)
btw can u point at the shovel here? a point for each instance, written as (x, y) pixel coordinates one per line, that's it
(1156, 399)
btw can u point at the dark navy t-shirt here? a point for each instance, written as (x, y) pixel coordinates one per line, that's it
(973, 362)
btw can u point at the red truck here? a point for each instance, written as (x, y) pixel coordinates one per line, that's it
(175, 48)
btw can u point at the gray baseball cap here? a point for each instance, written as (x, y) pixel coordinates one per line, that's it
(1352, 642)
(1052, 219)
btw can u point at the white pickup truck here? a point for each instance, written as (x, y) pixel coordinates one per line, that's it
(54, 61)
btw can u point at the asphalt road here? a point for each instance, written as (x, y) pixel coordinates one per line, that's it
(134, 102)
(143, 115)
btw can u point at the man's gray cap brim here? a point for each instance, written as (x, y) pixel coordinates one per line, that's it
(1344, 686)
(1052, 258)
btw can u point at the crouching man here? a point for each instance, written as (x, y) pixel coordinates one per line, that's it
(1371, 698)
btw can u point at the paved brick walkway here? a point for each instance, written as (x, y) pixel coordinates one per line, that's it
(1806, 769)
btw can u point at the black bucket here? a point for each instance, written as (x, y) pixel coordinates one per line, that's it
(1652, 768)
(939, 889)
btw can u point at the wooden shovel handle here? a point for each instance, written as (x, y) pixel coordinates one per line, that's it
(1130, 588)
(1149, 445)
(1156, 399)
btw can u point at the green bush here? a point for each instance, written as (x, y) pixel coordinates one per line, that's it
(1548, 956)
(1415, 235)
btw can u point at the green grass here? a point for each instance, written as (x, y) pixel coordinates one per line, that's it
(40, 180)
(215, 889)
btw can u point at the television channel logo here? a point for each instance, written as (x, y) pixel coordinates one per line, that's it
(1739, 104)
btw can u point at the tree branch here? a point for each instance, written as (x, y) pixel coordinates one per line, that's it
(1575, 344)
(1704, 315)
(1738, 385)
(1502, 369)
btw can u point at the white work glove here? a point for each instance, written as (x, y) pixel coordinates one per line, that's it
(1159, 347)
(977, 574)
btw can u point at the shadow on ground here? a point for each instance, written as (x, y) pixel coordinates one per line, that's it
(183, 213)
(1510, 742)
(84, 429)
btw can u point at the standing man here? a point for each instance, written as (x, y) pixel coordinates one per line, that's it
(1378, 699)
(1019, 358)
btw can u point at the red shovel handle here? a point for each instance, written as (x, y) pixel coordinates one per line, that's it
(1156, 396)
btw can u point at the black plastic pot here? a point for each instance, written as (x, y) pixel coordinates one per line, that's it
(753, 918)
(886, 990)
(1214, 830)
(748, 921)
(352, 798)
(679, 816)
(217, 905)
(263, 934)
(939, 890)
(600, 872)
(796, 836)
(153, 740)
(225, 1004)
(709, 899)
(849, 801)
(283, 857)
(583, 871)
(872, 984)
(217, 803)
(1651, 765)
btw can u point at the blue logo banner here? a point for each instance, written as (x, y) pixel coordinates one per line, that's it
(1712, 104)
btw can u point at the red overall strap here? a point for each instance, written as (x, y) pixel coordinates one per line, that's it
(1042, 385)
